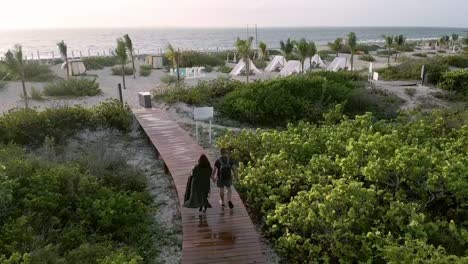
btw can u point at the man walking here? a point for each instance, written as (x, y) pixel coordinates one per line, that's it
(224, 168)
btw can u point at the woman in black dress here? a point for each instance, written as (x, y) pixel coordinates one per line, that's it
(200, 185)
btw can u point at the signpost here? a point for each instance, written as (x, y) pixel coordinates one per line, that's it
(203, 114)
(422, 74)
(370, 70)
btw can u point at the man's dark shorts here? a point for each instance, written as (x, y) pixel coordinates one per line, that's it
(224, 183)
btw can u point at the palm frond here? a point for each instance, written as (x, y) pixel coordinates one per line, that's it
(121, 51)
(63, 49)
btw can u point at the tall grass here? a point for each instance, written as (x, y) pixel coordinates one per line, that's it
(117, 70)
(33, 72)
(145, 70)
(73, 87)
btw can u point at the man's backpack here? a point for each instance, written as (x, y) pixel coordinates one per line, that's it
(225, 169)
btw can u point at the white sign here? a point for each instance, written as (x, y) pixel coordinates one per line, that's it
(203, 113)
(376, 76)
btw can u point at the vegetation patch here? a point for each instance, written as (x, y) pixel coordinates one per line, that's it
(145, 70)
(33, 72)
(117, 70)
(367, 57)
(458, 61)
(357, 190)
(411, 70)
(419, 54)
(410, 92)
(456, 81)
(225, 69)
(73, 87)
(196, 59)
(98, 63)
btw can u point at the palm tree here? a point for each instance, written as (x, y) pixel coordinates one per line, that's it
(336, 45)
(352, 43)
(287, 48)
(311, 51)
(388, 44)
(174, 56)
(15, 65)
(64, 53)
(243, 49)
(129, 44)
(399, 42)
(122, 57)
(301, 49)
(262, 47)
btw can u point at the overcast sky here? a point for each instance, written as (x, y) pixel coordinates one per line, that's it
(16, 14)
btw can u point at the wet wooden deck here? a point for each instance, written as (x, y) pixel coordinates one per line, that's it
(222, 235)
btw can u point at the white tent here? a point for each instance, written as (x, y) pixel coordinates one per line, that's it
(337, 64)
(317, 62)
(240, 68)
(277, 63)
(292, 67)
(74, 67)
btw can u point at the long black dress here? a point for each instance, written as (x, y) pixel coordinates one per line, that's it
(200, 188)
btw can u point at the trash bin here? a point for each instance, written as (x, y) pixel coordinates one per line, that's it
(145, 99)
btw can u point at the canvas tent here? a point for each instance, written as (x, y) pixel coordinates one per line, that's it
(276, 64)
(241, 67)
(317, 62)
(337, 64)
(75, 67)
(155, 61)
(293, 67)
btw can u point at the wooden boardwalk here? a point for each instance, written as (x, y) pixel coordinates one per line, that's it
(223, 235)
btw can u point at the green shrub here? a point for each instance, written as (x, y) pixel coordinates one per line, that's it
(326, 54)
(73, 87)
(98, 63)
(169, 79)
(459, 61)
(442, 51)
(117, 70)
(208, 68)
(33, 72)
(367, 48)
(225, 69)
(291, 99)
(367, 57)
(408, 47)
(385, 52)
(195, 59)
(418, 54)
(204, 93)
(29, 126)
(36, 94)
(358, 190)
(411, 70)
(260, 64)
(455, 81)
(145, 70)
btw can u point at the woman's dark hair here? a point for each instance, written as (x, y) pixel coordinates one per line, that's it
(203, 162)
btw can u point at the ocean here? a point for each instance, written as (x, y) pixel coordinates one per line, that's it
(84, 42)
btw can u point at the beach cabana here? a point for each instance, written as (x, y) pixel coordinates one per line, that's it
(292, 67)
(276, 64)
(318, 62)
(75, 67)
(156, 61)
(337, 64)
(240, 68)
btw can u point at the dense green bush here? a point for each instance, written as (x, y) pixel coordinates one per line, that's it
(260, 64)
(117, 70)
(225, 69)
(418, 54)
(359, 191)
(455, 81)
(459, 61)
(73, 87)
(169, 79)
(33, 72)
(195, 59)
(442, 51)
(326, 54)
(145, 70)
(411, 70)
(98, 63)
(385, 52)
(204, 93)
(60, 213)
(367, 57)
(29, 126)
(278, 102)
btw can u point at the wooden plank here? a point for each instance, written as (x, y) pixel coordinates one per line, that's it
(221, 235)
